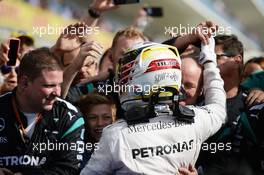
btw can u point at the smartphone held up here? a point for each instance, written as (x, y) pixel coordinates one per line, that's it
(13, 51)
(123, 2)
(154, 11)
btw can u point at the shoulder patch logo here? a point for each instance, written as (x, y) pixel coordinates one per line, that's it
(2, 124)
(70, 115)
(68, 104)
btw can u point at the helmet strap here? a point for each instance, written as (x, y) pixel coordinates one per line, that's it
(142, 114)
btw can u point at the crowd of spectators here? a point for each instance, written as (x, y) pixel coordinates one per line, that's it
(207, 121)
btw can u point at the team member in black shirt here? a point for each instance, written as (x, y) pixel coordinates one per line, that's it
(39, 133)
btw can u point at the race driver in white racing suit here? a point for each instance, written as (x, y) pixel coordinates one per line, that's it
(158, 136)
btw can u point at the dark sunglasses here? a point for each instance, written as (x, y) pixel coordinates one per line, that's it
(219, 56)
(5, 69)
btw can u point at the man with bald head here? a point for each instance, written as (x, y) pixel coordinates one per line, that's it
(191, 80)
(192, 76)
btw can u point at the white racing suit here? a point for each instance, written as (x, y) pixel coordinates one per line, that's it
(163, 145)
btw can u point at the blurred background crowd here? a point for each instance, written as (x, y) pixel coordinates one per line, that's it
(88, 63)
(244, 17)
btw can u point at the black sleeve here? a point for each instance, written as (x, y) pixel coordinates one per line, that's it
(171, 42)
(66, 160)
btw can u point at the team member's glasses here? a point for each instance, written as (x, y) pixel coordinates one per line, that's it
(5, 69)
(220, 56)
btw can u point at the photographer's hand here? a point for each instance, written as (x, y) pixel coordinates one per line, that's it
(4, 54)
(103, 5)
(96, 8)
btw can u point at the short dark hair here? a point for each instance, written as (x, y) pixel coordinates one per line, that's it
(27, 40)
(257, 60)
(37, 60)
(90, 100)
(230, 44)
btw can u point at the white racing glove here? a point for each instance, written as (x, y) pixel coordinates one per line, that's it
(208, 52)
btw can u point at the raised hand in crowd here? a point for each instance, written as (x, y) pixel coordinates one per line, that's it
(3, 53)
(142, 19)
(103, 5)
(26, 44)
(70, 39)
(96, 8)
(201, 33)
(207, 52)
(89, 52)
(75, 50)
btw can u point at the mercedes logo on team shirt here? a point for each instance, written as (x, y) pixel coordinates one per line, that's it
(2, 124)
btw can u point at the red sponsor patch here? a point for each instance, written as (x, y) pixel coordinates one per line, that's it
(160, 64)
(125, 71)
